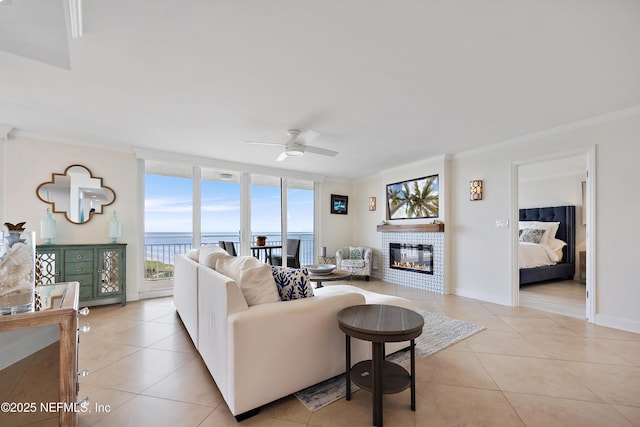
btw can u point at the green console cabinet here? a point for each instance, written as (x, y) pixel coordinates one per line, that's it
(100, 270)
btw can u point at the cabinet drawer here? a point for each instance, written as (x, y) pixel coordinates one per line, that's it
(83, 279)
(84, 267)
(78, 255)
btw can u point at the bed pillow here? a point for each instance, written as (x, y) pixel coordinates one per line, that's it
(531, 235)
(556, 244)
(292, 283)
(551, 228)
(254, 278)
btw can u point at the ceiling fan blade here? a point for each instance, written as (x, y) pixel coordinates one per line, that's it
(318, 150)
(307, 136)
(264, 143)
(281, 157)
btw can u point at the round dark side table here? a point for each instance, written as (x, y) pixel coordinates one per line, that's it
(380, 324)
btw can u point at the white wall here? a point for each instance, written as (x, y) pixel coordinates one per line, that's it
(336, 230)
(30, 162)
(482, 252)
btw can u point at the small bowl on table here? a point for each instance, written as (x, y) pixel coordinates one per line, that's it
(320, 269)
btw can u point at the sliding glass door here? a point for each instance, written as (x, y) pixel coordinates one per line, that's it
(168, 221)
(266, 217)
(300, 215)
(188, 206)
(219, 207)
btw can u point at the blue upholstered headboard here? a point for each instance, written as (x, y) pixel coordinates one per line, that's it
(566, 215)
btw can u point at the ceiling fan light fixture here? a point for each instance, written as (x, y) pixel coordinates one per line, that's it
(294, 152)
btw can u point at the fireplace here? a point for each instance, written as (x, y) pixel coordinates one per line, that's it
(407, 257)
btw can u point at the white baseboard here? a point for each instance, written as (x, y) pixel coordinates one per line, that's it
(16, 345)
(481, 296)
(618, 323)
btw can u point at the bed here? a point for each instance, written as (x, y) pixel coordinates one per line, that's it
(564, 265)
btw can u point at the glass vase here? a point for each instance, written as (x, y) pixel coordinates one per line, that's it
(17, 271)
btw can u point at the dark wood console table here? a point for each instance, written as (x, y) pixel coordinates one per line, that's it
(380, 324)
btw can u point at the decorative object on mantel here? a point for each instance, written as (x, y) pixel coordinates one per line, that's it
(372, 203)
(261, 240)
(339, 204)
(115, 230)
(475, 190)
(17, 269)
(47, 227)
(76, 193)
(420, 228)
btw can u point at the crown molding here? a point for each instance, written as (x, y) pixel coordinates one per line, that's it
(603, 118)
(5, 130)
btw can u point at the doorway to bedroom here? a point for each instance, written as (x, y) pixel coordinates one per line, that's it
(553, 182)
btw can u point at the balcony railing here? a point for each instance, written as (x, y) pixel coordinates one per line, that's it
(161, 248)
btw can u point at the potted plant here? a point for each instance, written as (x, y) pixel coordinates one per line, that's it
(261, 240)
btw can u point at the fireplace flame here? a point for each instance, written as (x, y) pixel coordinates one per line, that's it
(411, 265)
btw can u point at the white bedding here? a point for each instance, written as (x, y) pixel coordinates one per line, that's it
(536, 255)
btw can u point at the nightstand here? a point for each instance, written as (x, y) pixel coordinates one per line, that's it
(582, 267)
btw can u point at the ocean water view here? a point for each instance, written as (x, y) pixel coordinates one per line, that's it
(161, 248)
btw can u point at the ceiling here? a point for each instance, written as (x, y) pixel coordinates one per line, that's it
(384, 83)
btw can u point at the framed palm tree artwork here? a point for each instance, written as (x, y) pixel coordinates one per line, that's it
(414, 198)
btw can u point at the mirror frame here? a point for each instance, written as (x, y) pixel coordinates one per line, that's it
(66, 215)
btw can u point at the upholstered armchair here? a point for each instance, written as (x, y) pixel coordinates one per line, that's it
(355, 259)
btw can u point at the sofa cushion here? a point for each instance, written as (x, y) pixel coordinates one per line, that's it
(353, 263)
(292, 283)
(254, 278)
(209, 254)
(193, 254)
(356, 252)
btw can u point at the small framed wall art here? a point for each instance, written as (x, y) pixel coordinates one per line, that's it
(339, 204)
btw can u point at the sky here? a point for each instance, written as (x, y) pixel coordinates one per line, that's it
(168, 207)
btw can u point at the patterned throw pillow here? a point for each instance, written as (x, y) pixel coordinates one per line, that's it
(356, 252)
(531, 235)
(292, 283)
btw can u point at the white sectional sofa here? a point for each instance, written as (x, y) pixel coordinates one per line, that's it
(262, 352)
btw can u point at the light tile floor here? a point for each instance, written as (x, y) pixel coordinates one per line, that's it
(528, 368)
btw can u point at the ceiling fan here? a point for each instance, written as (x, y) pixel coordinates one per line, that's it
(296, 145)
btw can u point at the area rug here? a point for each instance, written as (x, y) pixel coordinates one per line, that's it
(439, 332)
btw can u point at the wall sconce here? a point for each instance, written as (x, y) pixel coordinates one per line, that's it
(475, 190)
(372, 203)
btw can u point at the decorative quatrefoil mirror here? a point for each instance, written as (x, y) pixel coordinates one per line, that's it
(76, 193)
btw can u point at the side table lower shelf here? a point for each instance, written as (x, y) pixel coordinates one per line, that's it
(394, 377)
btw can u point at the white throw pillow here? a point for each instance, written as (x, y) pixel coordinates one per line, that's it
(209, 254)
(193, 254)
(254, 278)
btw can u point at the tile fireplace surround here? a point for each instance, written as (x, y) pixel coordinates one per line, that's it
(428, 282)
